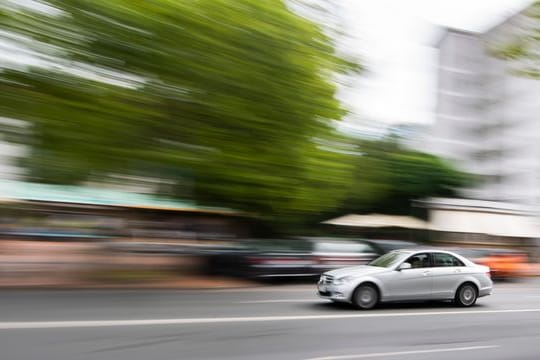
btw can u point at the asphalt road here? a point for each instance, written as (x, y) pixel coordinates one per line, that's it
(277, 322)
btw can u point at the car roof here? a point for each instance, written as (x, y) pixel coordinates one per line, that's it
(424, 249)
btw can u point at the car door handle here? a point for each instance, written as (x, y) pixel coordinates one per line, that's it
(457, 270)
(426, 272)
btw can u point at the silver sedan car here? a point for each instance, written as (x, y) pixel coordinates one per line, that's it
(404, 275)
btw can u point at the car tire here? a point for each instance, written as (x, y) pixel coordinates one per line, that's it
(365, 297)
(466, 295)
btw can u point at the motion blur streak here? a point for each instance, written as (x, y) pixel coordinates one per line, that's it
(397, 353)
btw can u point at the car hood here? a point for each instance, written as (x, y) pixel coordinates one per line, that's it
(357, 271)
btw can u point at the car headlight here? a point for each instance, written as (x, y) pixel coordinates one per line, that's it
(343, 280)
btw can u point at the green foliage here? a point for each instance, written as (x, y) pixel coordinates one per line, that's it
(388, 178)
(521, 50)
(229, 93)
(233, 100)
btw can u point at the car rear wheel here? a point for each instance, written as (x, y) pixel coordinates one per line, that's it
(466, 295)
(365, 297)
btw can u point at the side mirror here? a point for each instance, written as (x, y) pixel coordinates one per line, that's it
(404, 266)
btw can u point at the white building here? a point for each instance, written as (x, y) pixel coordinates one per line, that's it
(488, 119)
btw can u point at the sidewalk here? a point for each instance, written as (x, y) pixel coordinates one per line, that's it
(41, 264)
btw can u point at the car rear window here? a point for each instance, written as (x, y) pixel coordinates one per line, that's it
(443, 259)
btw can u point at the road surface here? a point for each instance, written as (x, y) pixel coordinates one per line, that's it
(270, 322)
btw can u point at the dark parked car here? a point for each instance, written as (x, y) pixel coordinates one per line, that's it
(300, 257)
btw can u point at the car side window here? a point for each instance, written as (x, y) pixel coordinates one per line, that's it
(419, 261)
(443, 260)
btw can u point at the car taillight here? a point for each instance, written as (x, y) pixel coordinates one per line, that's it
(488, 274)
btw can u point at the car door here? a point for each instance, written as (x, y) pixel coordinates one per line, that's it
(411, 284)
(447, 273)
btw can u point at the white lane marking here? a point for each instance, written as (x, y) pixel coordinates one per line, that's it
(401, 353)
(280, 301)
(183, 321)
(515, 288)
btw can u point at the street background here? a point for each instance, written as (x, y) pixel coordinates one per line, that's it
(176, 175)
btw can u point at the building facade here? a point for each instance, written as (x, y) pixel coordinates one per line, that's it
(488, 119)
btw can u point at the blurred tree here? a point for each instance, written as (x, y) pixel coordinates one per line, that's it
(234, 101)
(388, 177)
(237, 93)
(520, 48)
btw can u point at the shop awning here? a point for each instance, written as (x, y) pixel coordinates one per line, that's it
(379, 221)
(19, 191)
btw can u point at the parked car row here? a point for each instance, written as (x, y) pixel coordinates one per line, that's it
(312, 256)
(298, 257)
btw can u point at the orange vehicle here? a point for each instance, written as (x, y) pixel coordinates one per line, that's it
(504, 263)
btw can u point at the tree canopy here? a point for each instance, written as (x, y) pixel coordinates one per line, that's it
(388, 177)
(521, 47)
(228, 102)
(230, 94)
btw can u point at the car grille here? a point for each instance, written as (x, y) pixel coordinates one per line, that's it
(327, 279)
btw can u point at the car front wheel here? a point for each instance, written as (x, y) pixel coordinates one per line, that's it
(365, 297)
(466, 295)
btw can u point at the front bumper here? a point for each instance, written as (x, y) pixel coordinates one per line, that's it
(332, 292)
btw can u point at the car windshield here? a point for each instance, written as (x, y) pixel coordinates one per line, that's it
(387, 260)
